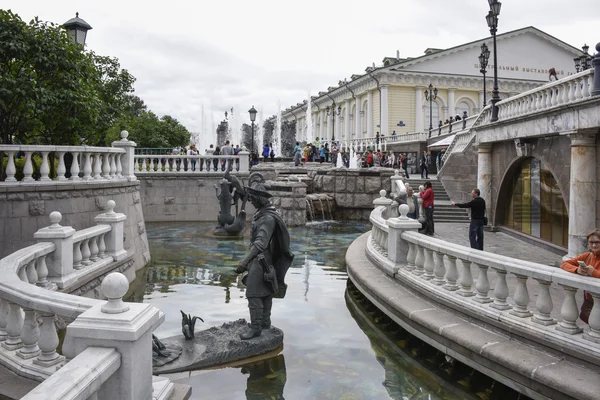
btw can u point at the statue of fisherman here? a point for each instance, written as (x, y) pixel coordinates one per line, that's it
(267, 261)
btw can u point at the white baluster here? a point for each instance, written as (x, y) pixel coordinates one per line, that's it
(32, 276)
(594, 320)
(42, 271)
(75, 168)
(419, 261)
(119, 165)
(101, 247)
(3, 319)
(45, 168)
(549, 97)
(94, 249)
(14, 325)
(87, 166)
(11, 170)
(105, 166)
(483, 285)
(28, 168)
(500, 291)
(428, 265)
(22, 274)
(585, 91)
(61, 170)
(569, 312)
(98, 166)
(144, 166)
(543, 304)
(29, 336)
(113, 165)
(565, 92)
(451, 274)
(439, 270)
(77, 256)
(410, 257)
(85, 252)
(48, 342)
(521, 298)
(571, 89)
(466, 279)
(578, 89)
(159, 165)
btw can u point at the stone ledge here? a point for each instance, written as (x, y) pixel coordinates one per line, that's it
(528, 369)
(66, 186)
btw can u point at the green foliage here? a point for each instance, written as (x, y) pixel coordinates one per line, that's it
(147, 130)
(36, 162)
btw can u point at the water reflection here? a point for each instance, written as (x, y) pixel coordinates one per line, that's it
(266, 378)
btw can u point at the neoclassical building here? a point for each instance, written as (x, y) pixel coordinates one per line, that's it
(391, 97)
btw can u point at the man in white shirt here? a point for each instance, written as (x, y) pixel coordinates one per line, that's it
(227, 150)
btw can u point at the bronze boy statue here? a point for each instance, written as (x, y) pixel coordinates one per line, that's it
(267, 261)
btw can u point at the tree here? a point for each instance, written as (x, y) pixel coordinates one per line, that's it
(147, 130)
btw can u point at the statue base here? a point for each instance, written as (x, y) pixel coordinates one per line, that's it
(218, 346)
(245, 233)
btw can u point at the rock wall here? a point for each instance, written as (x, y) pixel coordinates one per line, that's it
(26, 208)
(289, 198)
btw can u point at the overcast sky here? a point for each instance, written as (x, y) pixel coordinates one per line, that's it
(238, 53)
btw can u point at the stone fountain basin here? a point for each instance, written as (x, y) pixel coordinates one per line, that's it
(218, 346)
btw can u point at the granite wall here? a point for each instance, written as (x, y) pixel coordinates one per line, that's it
(26, 208)
(289, 198)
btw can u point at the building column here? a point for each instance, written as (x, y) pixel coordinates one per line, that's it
(484, 177)
(419, 117)
(357, 120)
(385, 123)
(321, 124)
(370, 114)
(451, 105)
(347, 133)
(582, 191)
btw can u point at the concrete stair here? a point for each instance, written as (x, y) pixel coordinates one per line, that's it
(444, 211)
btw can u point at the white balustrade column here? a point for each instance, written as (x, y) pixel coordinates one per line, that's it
(61, 170)
(543, 304)
(451, 274)
(127, 159)
(14, 325)
(420, 118)
(398, 249)
(439, 269)
(113, 166)
(97, 166)
(244, 161)
(419, 261)
(500, 291)
(75, 167)
(569, 312)
(87, 166)
(60, 261)
(451, 104)
(42, 272)
(45, 168)
(521, 298)
(428, 265)
(370, 114)
(466, 279)
(410, 257)
(484, 175)
(11, 169)
(3, 319)
(48, 342)
(594, 320)
(583, 189)
(384, 110)
(114, 238)
(29, 336)
(483, 285)
(28, 167)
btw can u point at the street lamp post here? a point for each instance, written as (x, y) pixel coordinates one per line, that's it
(252, 113)
(492, 21)
(431, 95)
(483, 63)
(331, 111)
(77, 29)
(584, 61)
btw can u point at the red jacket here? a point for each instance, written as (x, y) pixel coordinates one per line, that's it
(427, 197)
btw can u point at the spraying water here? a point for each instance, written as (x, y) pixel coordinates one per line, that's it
(339, 163)
(277, 138)
(353, 160)
(261, 133)
(309, 125)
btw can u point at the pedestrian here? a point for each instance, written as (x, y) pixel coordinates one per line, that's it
(297, 156)
(427, 195)
(424, 168)
(322, 154)
(266, 152)
(192, 152)
(477, 206)
(272, 153)
(412, 202)
(404, 164)
(209, 152)
(227, 150)
(217, 152)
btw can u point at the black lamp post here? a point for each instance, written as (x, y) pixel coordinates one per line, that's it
(77, 29)
(431, 95)
(492, 21)
(584, 61)
(252, 113)
(483, 63)
(331, 111)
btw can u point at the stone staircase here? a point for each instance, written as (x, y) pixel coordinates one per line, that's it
(444, 211)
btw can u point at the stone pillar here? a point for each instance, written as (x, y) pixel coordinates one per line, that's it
(114, 238)
(60, 261)
(357, 119)
(244, 161)
(370, 114)
(419, 118)
(451, 105)
(347, 132)
(128, 159)
(385, 120)
(398, 248)
(484, 176)
(126, 327)
(322, 132)
(582, 191)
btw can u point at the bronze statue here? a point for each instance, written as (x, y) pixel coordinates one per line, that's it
(267, 261)
(229, 193)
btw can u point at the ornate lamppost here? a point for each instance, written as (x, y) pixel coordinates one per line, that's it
(483, 63)
(331, 111)
(584, 61)
(252, 113)
(431, 95)
(77, 29)
(492, 21)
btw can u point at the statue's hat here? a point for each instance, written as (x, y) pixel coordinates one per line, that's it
(256, 185)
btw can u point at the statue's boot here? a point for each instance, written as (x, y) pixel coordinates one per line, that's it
(254, 329)
(266, 314)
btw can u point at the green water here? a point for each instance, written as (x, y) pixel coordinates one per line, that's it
(331, 350)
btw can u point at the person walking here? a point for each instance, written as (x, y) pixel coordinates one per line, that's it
(227, 150)
(427, 195)
(266, 152)
(477, 206)
(424, 167)
(404, 164)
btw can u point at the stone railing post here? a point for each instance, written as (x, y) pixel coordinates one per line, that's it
(113, 239)
(126, 327)
(384, 201)
(596, 64)
(398, 248)
(127, 159)
(60, 261)
(244, 161)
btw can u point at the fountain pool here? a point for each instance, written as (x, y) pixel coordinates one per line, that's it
(329, 352)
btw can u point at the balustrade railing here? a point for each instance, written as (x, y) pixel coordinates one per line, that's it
(502, 288)
(185, 164)
(454, 127)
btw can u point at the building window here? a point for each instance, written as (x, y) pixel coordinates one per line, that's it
(435, 113)
(462, 107)
(535, 205)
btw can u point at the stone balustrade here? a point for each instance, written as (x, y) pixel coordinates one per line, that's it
(463, 278)
(103, 335)
(185, 164)
(455, 127)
